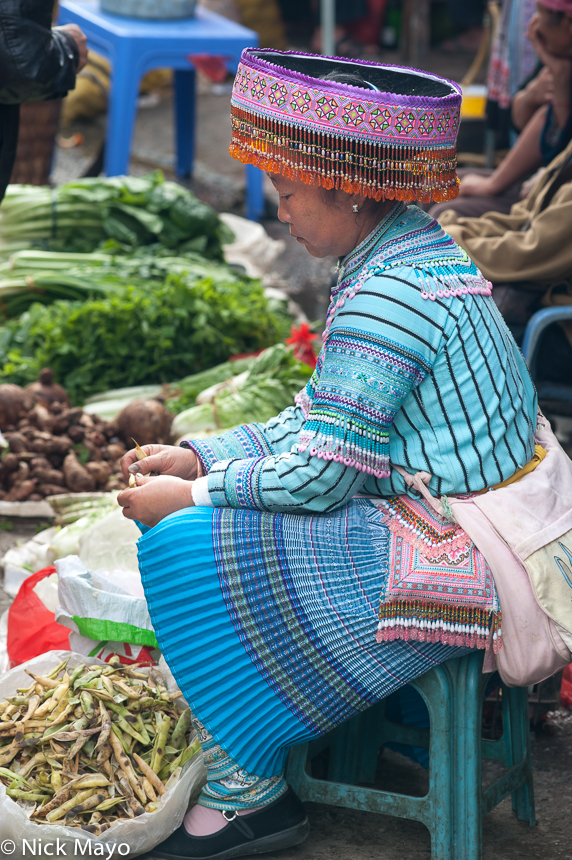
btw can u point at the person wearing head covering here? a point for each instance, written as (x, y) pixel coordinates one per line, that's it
(541, 111)
(299, 571)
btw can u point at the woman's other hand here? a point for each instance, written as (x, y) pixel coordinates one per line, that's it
(164, 459)
(474, 185)
(154, 498)
(538, 92)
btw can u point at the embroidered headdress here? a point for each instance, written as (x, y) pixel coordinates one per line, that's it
(391, 136)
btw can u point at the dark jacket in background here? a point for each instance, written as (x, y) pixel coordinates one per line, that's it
(36, 63)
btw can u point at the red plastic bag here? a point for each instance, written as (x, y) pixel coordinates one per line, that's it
(566, 688)
(32, 629)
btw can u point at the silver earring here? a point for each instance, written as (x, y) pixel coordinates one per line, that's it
(355, 208)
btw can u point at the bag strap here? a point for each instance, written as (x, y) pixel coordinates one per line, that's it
(419, 482)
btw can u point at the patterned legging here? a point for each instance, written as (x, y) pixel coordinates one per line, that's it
(230, 786)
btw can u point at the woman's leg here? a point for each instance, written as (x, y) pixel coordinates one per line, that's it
(229, 787)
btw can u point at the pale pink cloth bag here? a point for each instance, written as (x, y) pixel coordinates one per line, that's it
(525, 533)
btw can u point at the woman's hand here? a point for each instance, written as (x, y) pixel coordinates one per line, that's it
(474, 185)
(154, 498)
(164, 459)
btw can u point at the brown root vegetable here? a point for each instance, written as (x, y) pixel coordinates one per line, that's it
(77, 479)
(110, 430)
(49, 476)
(39, 463)
(22, 474)
(99, 470)
(14, 401)
(115, 451)
(76, 433)
(17, 442)
(145, 420)
(97, 439)
(21, 491)
(114, 484)
(59, 445)
(35, 497)
(49, 490)
(46, 390)
(94, 451)
(42, 415)
(10, 463)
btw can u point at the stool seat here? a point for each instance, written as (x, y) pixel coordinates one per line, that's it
(134, 46)
(456, 803)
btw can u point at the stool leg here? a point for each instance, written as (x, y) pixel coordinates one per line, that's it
(185, 120)
(468, 689)
(121, 112)
(515, 716)
(254, 192)
(435, 688)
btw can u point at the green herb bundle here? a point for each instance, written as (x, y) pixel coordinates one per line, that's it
(136, 335)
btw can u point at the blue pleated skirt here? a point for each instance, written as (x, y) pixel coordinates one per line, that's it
(268, 622)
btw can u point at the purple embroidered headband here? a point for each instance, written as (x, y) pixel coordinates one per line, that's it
(391, 136)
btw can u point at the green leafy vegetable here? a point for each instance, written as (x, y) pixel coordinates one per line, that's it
(186, 323)
(268, 387)
(130, 210)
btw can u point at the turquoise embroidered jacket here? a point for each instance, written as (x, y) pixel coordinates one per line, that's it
(418, 369)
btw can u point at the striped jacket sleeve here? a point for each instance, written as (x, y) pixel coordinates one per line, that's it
(316, 456)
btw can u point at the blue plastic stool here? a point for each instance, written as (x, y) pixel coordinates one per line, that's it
(535, 328)
(455, 805)
(135, 46)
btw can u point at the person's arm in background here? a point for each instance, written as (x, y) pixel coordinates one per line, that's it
(37, 61)
(536, 94)
(524, 157)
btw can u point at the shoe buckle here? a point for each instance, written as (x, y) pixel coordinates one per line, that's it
(229, 814)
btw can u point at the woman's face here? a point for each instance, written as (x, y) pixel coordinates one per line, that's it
(556, 36)
(327, 227)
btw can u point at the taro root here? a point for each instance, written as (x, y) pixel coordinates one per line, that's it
(39, 463)
(14, 402)
(21, 474)
(49, 476)
(60, 423)
(17, 442)
(145, 420)
(59, 445)
(35, 497)
(96, 438)
(46, 490)
(100, 471)
(77, 478)
(10, 462)
(76, 433)
(115, 451)
(21, 491)
(46, 390)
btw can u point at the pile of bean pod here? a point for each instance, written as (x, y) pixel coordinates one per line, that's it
(93, 745)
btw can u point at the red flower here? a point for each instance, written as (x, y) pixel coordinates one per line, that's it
(301, 339)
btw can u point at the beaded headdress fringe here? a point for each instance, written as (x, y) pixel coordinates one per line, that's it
(379, 145)
(383, 172)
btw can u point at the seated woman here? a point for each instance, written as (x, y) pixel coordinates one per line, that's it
(541, 111)
(279, 560)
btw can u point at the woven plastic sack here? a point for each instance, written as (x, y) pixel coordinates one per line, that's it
(128, 838)
(103, 605)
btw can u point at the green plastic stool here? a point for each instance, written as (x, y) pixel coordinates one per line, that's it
(456, 804)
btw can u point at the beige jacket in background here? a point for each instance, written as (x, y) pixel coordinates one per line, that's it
(527, 245)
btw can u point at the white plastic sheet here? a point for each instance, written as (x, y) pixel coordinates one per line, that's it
(138, 835)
